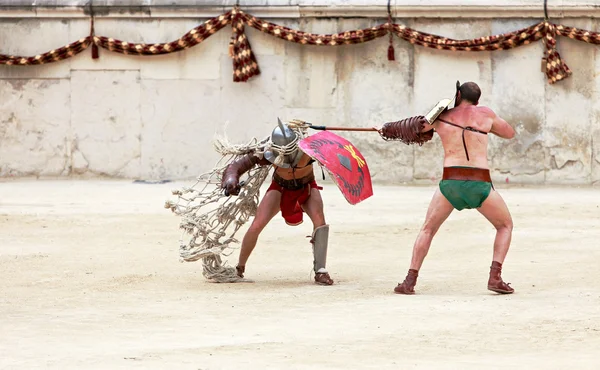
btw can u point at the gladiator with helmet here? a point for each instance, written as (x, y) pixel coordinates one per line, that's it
(293, 192)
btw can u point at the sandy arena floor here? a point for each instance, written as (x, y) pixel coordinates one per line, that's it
(90, 279)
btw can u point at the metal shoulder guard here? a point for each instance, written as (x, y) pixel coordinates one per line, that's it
(439, 108)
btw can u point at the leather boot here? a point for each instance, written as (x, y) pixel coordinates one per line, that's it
(408, 285)
(495, 283)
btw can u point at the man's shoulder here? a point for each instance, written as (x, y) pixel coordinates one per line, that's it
(485, 110)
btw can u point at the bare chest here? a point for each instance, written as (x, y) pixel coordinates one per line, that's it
(303, 168)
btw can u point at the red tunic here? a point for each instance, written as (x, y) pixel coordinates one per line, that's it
(292, 201)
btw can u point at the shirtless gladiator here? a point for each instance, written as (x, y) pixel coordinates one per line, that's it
(293, 191)
(466, 181)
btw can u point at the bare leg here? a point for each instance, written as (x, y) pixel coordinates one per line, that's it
(438, 212)
(267, 209)
(320, 238)
(496, 211)
(314, 208)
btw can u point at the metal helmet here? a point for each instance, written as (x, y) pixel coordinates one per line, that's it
(282, 136)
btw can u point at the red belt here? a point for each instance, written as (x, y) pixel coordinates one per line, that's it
(466, 174)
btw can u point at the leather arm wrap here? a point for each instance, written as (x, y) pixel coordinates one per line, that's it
(241, 166)
(233, 171)
(407, 130)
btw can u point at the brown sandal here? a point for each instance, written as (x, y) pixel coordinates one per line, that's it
(323, 278)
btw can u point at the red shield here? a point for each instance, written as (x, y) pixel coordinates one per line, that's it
(343, 161)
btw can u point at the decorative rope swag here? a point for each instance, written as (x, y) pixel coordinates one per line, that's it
(192, 38)
(245, 65)
(55, 55)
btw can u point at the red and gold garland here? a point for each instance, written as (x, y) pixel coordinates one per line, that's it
(245, 64)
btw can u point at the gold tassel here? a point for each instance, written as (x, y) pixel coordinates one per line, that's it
(231, 48)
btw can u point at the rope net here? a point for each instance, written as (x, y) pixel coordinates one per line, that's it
(210, 219)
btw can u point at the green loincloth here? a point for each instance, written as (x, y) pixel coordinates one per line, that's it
(465, 194)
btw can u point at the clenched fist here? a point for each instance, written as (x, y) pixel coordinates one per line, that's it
(231, 185)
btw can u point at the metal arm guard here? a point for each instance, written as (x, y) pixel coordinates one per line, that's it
(319, 240)
(232, 173)
(407, 130)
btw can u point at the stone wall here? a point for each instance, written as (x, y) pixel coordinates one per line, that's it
(154, 117)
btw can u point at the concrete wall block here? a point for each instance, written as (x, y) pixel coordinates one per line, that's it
(369, 83)
(199, 62)
(30, 37)
(178, 128)
(189, 64)
(231, 3)
(437, 70)
(106, 121)
(507, 177)
(310, 76)
(525, 155)
(316, 116)
(310, 70)
(518, 82)
(34, 127)
(569, 113)
(250, 109)
(337, 2)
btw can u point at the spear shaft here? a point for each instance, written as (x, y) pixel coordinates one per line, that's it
(334, 128)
